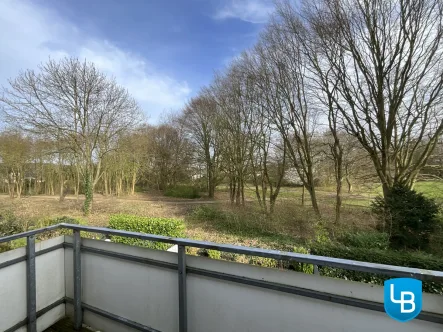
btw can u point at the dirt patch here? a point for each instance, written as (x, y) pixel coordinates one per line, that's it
(37, 207)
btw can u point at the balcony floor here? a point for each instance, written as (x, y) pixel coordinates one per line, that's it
(65, 325)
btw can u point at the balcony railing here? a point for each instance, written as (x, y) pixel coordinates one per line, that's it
(98, 283)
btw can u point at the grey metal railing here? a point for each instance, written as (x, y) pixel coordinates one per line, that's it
(389, 270)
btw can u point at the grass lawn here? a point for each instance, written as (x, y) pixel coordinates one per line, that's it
(432, 189)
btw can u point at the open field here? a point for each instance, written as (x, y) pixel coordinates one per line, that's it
(215, 220)
(360, 196)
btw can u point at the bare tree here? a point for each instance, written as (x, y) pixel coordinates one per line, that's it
(169, 155)
(322, 88)
(15, 154)
(283, 80)
(386, 58)
(71, 101)
(227, 91)
(200, 120)
(267, 153)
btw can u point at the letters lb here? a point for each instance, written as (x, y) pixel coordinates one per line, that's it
(403, 298)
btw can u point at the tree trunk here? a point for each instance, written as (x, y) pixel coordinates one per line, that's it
(338, 202)
(303, 196)
(105, 181)
(242, 191)
(18, 184)
(62, 188)
(89, 193)
(349, 185)
(238, 193)
(338, 156)
(11, 186)
(77, 182)
(272, 201)
(386, 189)
(211, 184)
(134, 180)
(314, 202)
(232, 189)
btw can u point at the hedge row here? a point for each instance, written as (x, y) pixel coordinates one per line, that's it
(158, 226)
(408, 259)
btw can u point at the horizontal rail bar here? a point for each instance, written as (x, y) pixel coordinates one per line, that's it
(391, 270)
(23, 258)
(347, 264)
(39, 314)
(28, 233)
(131, 258)
(13, 261)
(116, 318)
(334, 298)
(17, 326)
(50, 307)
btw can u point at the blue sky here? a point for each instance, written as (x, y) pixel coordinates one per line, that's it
(163, 51)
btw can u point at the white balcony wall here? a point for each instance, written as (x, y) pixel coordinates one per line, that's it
(149, 295)
(145, 294)
(50, 284)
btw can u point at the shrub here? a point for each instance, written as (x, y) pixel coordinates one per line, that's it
(18, 243)
(159, 226)
(368, 240)
(409, 217)
(436, 241)
(321, 234)
(389, 257)
(208, 212)
(302, 267)
(284, 264)
(264, 262)
(214, 254)
(45, 222)
(182, 192)
(9, 224)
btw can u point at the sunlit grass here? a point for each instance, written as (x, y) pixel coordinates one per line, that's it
(432, 189)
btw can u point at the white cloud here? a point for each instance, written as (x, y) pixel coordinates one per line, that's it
(31, 34)
(253, 11)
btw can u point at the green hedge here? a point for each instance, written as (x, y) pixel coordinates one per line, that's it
(183, 192)
(159, 226)
(9, 224)
(408, 259)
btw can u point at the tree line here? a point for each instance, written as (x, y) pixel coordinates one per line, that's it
(333, 91)
(337, 80)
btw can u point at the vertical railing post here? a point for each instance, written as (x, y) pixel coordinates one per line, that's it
(31, 292)
(316, 270)
(78, 314)
(182, 301)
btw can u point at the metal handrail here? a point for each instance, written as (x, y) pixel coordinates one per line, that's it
(275, 254)
(347, 264)
(29, 233)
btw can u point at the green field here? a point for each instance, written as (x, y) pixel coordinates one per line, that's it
(432, 189)
(361, 196)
